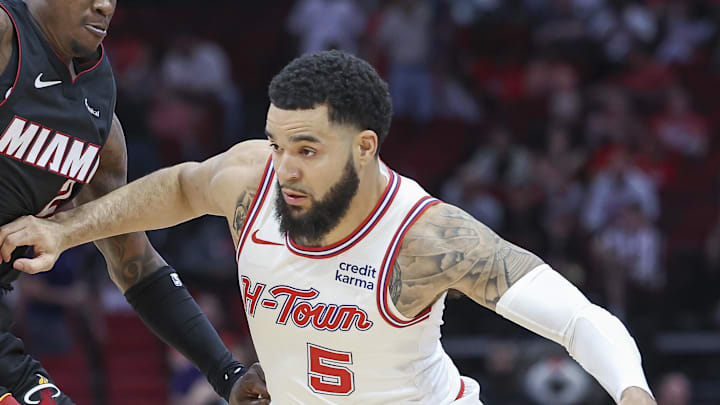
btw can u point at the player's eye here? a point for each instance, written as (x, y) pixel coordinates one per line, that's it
(307, 152)
(274, 147)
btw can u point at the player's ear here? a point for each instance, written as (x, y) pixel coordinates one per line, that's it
(366, 144)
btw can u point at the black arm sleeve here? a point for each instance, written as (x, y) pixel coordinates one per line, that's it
(166, 307)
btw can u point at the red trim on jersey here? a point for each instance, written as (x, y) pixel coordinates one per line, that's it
(17, 35)
(259, 241)
(385, 201)
(97, 63)
(254, 207)
(462, 389)
(387, 266)
(102, 55)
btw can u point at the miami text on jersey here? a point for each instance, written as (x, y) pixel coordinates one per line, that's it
(33, 144)
(299, 308)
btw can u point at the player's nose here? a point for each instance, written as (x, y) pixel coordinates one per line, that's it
(104, 7)
(286, 170)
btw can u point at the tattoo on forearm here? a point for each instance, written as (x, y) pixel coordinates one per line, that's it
(450, 249)
(241, 211)
(130, 258)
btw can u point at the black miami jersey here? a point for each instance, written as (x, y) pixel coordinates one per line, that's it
(53, 126)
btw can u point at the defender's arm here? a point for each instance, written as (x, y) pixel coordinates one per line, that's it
(129, 257)
(160, 199)
(153, 288)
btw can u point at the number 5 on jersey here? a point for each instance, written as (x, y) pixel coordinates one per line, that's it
(327, 373)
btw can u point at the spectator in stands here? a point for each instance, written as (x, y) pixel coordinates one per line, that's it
(453, 101)
(405, 35)
(499, 162)
(565, 101)
(629, 253)
(612, 118)
(621, 27)
(684, 32)
(554, 379)
(200, 69)
(563, 199)
(327, 24)
(675, 389)
(679, 128)
(616, 187)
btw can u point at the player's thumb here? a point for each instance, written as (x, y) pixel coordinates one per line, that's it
(38, 264)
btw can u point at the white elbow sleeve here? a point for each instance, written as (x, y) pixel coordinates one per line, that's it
(547, 304)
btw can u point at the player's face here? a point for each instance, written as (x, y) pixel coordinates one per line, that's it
(81, 25)
(315, 170)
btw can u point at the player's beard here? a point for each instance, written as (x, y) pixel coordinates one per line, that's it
(322, 216)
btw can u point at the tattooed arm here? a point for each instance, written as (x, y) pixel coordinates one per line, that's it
(159, 200)
(129, 257)
(241, 210)
(448, 249)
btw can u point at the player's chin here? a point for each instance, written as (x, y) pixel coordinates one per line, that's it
(297, 211)
(85, 47)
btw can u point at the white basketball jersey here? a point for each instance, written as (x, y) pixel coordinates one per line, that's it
(321, 319)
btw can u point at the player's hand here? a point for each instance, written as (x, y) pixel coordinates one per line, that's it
(636, 396)
(44, 235)
(250, 389)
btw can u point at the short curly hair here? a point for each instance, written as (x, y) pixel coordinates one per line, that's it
(352, 90)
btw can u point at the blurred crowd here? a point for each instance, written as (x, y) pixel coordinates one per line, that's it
(583, 130)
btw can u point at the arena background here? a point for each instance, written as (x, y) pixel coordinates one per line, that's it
(584, 130)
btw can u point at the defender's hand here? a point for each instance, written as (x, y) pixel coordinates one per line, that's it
(250, 389)
(636, 396)
(43, 235)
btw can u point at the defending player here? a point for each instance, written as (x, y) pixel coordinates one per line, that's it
(61, 141)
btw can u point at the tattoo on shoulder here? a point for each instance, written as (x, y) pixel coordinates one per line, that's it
(241, 211)
(449, 249)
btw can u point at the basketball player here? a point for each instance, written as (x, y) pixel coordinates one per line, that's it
(60, 136)
(344, 264)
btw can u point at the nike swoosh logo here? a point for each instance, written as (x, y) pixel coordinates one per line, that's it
(93, 111)
(39, 84)
(263, 242)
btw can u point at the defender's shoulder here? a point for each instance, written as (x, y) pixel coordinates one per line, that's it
(6, 28)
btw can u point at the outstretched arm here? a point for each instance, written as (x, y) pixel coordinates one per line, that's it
(151, 286)
(159, 200)
(129, 257)
(166, 307)
(448, 249)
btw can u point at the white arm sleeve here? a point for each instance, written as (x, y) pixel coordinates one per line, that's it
(546, 303)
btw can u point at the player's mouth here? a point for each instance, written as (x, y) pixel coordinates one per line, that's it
(97, 29)
(293, 198)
